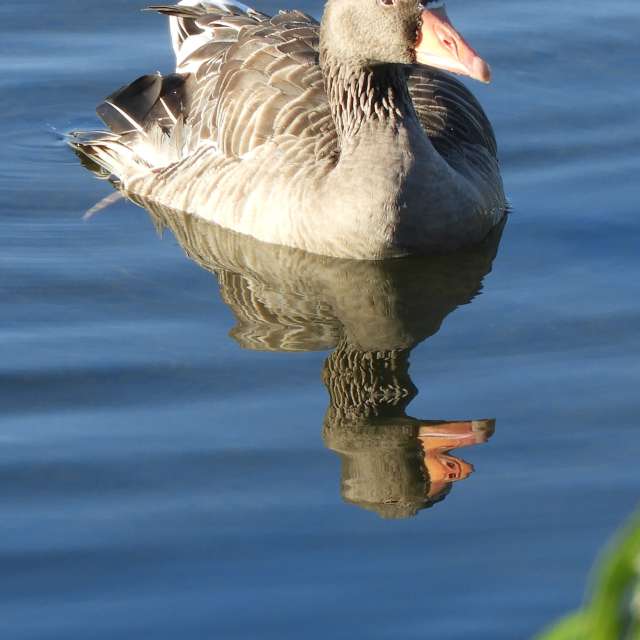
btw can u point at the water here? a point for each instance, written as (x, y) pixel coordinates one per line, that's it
(161, 478)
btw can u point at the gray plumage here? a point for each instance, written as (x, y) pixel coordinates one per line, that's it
(268, 127)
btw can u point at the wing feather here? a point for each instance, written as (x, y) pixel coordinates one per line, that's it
(449, 112)
(252, 78)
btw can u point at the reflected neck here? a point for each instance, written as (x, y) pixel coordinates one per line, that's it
(365, 385)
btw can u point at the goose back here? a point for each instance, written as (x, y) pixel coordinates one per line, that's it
(243, 78)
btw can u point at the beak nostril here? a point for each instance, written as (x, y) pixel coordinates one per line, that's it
(450, 44)
(439, 45)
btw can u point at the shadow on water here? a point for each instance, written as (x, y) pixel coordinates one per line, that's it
(370, 315)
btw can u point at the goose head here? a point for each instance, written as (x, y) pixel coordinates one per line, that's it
(370, 32)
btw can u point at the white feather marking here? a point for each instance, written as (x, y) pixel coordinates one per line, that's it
(166, 108)
(183, 44)
(128, 118)
(189, 46)
(218, 4)
(107, 201)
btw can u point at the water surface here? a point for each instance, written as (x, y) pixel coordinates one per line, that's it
(162, 478)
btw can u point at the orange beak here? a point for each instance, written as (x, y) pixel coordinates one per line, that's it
(439, 438)
(440, 45)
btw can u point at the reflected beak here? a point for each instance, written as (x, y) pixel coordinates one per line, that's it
(445, 468)
(439, 45)
(447, 436)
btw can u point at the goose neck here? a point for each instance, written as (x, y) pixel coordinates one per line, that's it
(359, 94)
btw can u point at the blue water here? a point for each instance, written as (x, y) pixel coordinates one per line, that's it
(160, 478)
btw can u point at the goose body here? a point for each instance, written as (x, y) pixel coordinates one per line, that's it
(269, 128)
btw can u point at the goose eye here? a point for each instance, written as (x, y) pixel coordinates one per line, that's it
(386, 3)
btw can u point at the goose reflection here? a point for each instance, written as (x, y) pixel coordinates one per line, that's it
(392, 463)
(370, 315)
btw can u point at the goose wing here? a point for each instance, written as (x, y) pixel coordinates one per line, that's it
(242, 78)
(449, 113)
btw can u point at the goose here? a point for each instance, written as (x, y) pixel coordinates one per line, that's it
(347, 138)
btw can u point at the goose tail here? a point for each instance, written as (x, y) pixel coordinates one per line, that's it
(106, 155)
(146, 121)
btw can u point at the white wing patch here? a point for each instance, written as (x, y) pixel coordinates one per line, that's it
(186, 43)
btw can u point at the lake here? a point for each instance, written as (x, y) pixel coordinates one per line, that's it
(205, 438)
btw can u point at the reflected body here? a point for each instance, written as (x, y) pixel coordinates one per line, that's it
(371, 315)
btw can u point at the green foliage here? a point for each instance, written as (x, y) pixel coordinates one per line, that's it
(572, 628)
(612, 611)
